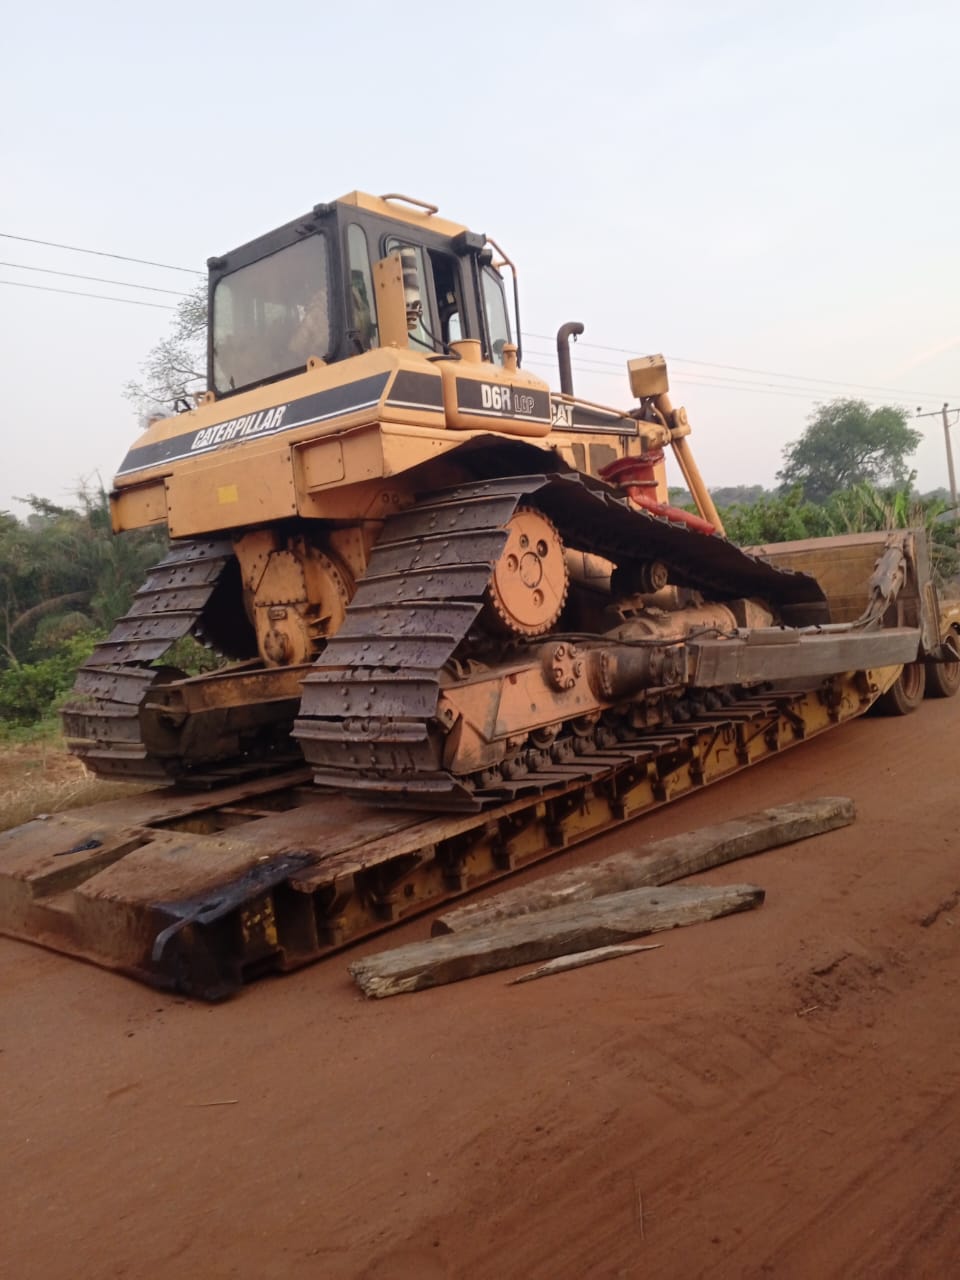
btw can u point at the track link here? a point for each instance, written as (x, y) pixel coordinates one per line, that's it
(368, 702)
(367, 712)
(102, 724)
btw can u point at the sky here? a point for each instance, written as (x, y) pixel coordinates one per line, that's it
(768, 194)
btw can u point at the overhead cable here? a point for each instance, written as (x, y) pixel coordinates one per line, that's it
(702, 380)
(73, 275)
(76, 293)
(737, 368)
(100, 253)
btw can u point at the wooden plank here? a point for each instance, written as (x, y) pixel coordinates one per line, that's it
(580, 959)
(606, 921)
(660, 862)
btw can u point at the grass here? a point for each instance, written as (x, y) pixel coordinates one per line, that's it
(37, 775)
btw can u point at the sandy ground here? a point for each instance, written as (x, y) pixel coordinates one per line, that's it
(771, 1094)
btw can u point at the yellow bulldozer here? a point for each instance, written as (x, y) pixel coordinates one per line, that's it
(460, 623)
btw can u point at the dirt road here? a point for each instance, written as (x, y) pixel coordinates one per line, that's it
(771, 1094)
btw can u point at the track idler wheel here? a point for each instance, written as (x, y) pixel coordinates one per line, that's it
(528, 586)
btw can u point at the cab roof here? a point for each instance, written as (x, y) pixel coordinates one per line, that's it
(416, 213)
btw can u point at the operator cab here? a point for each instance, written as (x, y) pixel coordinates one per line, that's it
(307, 290)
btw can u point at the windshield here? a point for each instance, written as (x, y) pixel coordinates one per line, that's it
(270, 317)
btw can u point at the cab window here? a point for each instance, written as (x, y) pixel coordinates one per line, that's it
(363, 305)
(447, 288)
(271, 316)
(498, 324)
(439, 285)
(420, 336)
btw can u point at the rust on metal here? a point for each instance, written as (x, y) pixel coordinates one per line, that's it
(201, 892)
(528, 582)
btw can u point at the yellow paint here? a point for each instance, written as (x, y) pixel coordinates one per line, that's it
(139, 506)
(227, 493)
(258, 926)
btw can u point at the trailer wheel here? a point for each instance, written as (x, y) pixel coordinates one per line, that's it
(906, 692)
(943, 678)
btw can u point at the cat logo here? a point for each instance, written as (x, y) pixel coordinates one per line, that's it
(562, 414)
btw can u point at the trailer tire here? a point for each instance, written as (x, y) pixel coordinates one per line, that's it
(943, 678)
(906, 692)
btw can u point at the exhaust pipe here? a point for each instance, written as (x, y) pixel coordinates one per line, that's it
(572, 329)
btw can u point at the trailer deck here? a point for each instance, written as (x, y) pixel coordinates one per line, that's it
(202, 891)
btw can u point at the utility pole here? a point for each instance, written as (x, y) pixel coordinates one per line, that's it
(943, 413)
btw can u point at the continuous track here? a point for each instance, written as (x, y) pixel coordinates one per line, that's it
(368, 704)
(133, 719)
(367, 716)
(102, 724)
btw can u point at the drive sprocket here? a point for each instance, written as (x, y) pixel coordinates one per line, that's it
(528, 585)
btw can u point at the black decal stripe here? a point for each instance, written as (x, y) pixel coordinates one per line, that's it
(416, 390)
(411, 404)
(333, 403)
(470, 400)
(613, 427)
(613, 430)
(593, 420)
(502, 413)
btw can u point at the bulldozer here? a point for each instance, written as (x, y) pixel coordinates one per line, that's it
(459, 624)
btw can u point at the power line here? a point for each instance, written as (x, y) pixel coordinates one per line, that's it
(100, 253)
(611, 369)
(597, 346)
(591, 364)
(73, 275)
(736, 368)
(76, 293)
(702, 380)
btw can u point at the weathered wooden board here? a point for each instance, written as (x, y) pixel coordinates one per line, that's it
(605, 921)
(580, 959)
(659, 863)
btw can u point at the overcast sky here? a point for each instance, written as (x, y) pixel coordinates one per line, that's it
(748, 186)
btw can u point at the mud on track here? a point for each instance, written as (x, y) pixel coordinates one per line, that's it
(777, 1091)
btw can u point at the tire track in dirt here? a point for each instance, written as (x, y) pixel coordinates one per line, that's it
(778, 1089)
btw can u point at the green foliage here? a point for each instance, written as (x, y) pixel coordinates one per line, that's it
(847, 443)
(731, 495)
(192, 658)
(30, 691)
(62, 571)
(864, 508)
(775, 518)
(64, 579)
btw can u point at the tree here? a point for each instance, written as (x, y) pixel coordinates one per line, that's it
(774, 519)
(848, 443)
(177, 366)
(62, 570)
(865, 508)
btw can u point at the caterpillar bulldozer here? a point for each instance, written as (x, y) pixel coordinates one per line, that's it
(460, 624)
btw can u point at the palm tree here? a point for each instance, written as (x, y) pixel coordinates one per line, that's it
(864, 508)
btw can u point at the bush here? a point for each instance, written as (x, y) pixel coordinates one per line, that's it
(30, 692)
(775, 519)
